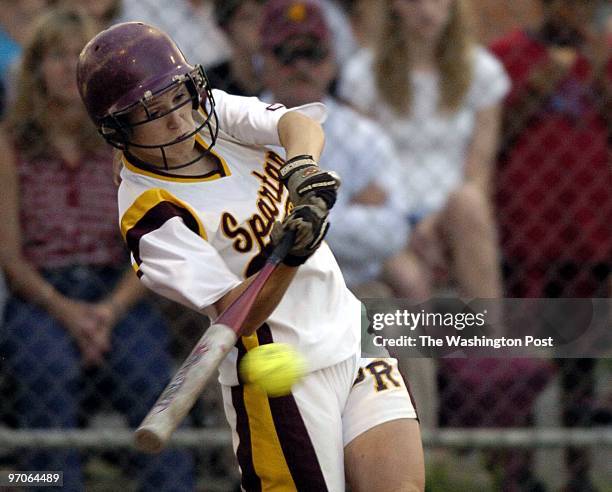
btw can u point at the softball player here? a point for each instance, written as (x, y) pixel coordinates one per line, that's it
(201, 193)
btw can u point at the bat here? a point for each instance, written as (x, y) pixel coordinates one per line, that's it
(187, 384)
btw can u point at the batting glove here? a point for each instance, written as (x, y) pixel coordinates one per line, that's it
(310, 223)
(304, 179)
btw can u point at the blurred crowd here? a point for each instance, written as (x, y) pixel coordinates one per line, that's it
(474, 144)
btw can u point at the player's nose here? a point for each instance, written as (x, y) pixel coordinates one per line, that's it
(173, 120)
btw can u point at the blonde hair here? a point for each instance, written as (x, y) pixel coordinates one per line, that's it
(453, 58)
(29, 117)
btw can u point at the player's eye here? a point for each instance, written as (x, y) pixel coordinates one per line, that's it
(179, 97)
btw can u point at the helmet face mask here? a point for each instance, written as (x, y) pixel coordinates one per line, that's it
(126, 68)
(117, 129)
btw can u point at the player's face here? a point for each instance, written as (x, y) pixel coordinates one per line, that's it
(172, 126)
(423, 19)
(58, 69)
(299, 73)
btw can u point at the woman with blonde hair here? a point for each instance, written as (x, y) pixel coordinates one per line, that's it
(76, 323)
(437, 93)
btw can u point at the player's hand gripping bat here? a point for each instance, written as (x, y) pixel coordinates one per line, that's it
(187, 384)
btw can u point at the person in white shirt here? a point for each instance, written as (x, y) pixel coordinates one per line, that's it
(201, 192)
(438, 94)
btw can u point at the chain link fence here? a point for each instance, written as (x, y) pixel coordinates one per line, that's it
(488, 424)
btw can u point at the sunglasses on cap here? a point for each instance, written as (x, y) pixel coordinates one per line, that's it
(287, 55)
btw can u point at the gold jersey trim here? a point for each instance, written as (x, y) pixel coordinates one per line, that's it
(147, 201)
(267, 453)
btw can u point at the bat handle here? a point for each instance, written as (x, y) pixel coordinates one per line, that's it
(282, 248)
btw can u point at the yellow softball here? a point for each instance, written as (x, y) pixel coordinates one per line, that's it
(274, 367)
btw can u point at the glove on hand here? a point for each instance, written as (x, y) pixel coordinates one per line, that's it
(310, 223)
(304, 179)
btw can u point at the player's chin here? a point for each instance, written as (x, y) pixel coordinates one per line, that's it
(182, 146)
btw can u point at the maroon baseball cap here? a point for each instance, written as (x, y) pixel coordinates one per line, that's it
(284, 20)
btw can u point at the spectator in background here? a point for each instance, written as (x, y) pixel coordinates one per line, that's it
(3, 296)
(495, 18)
(4, 408)
(367, 20)
(368, 218)
(6, 413)
(339, 24)
(344, 43)
(606, 18)
(240, 20)
(554, 186)
(2, 99)
(191, 23)
(15, 24)
(240, 74)
(77, 319)
(556, 145)
(443, 115)
(103, 12)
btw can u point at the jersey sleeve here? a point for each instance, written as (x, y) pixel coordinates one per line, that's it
(170, 252)
(255, 122)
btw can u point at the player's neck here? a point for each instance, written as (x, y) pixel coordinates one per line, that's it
(204, 165)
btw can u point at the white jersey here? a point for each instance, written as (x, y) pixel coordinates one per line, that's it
(193, 239)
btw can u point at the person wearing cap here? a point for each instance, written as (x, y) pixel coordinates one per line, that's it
(299, 67)
(240, 74)
(379, 443)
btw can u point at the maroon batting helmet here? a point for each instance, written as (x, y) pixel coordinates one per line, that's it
(125, 67)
